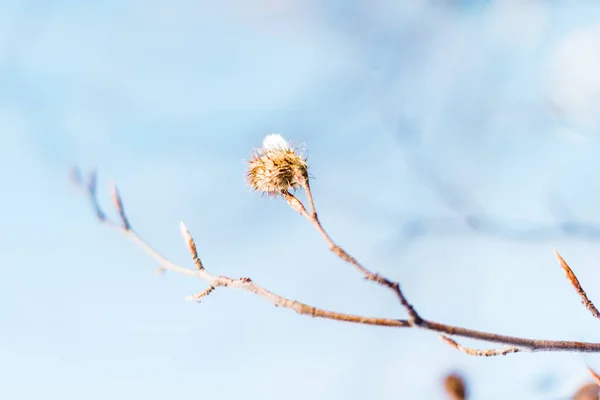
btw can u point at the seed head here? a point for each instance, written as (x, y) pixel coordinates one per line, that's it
(276, 167)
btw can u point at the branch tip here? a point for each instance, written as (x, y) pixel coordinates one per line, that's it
(185, 231)
(119, 204)
(595, 376)
(568, 271)
(189, 241)
(587, 303)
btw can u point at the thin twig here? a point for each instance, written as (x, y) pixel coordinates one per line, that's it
(414, 317)
(120, 209)
(91, 187)
(587, 303)
(311, 202)
(481, 353)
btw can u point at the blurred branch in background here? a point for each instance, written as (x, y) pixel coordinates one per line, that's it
(471, 217)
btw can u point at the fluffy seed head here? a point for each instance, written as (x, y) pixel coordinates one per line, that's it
(275, 141)
(276, 167)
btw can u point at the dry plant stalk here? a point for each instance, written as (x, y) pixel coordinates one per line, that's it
(275, 170)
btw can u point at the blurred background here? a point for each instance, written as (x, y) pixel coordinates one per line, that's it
(453, 145)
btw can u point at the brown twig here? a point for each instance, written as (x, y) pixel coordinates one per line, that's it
(481, 353)
(191, 246)
(577, 286)
(216, 281)
(414, 317)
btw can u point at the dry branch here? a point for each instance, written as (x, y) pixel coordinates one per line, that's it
(477, 352)
(275, 170)
(577, 286)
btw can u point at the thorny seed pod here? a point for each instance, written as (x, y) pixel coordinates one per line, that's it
(276, 167)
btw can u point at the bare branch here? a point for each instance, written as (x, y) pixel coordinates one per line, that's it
(481, 353)
(215, 281)
(577, 286)
(246, 284)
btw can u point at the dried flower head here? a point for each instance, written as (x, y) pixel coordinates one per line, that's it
(276, 167)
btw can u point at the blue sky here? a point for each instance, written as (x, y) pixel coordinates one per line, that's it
(493, 102)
